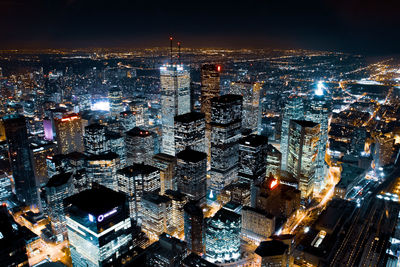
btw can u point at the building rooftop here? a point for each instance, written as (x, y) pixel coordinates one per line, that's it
(191, 155)
(194, 260)
(305, 123)
(59, 179)
(138, 132)
(155, 198)
(271, 248)
(193, 208)
(254, 140)
(189, 117)
(227, 98)
(97, 201)
(105, 156)
(136, 169)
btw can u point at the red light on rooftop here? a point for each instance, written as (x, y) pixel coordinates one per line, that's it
(218, 68)
(170, 38)
(273, 184)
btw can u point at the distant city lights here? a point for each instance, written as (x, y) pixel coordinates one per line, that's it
(320, 89)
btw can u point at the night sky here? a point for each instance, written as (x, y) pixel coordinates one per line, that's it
(361, 26)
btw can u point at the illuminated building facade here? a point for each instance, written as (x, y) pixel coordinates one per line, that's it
(190, 132)
(133, 181)
(251, 112)
(274, 160)
(178, 202)
(57, 189)
(116, 144)
(191, 173)
(210, 88)
(41, 150)
(302, 154)
(5, 187)
(167, 166)
(167, 251)
(156, 215)
(194, 228)
(226, 117)
(257, 225)
(115, 99)
(102, 169)
(69, 134)
(139, 146)
(140, 109)
(223, 236)
(98, 225)
(252, 158)
(127, 120)
(383, 150)
(175, 100)
(294, 110)
(21, 159)
(95, 139)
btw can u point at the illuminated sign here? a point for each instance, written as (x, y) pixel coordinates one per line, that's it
(105, 215)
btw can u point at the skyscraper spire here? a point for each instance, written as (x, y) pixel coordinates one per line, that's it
(179, 52)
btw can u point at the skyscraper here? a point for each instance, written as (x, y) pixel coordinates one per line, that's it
(139, 146)
(226, 117)
(210, 87)
(98, 225)
(302, 154)
(115, 98)
(191, 173)
(102, 169)
(190, 132)
(133, 181)
(251, 112)
(178, 201)
(294, 110)
(167, 166)
(58, 188)
(175, 100)
(194, 228)
(21, 159)
(95, 139)
(274, 160)
(69, 134)
(252, 158)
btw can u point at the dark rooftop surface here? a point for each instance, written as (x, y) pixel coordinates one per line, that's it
(136, 169)
(194, 260)
(97, 201)
(227, 98)
(191, 155)
(189, 117)
(59, 179)
(193, 208)
(254, 140)
(306, 123)
(138, 132)
(155, 197)
(106, 156)
(271, 248)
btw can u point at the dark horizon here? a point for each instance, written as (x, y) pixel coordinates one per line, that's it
(362, 27)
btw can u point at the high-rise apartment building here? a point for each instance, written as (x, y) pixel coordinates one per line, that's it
(226, 117)
(115, 99)
(302, 154)
(175, 100)
(69, 134)
(251, 112)
(190, 132)
(21, 159)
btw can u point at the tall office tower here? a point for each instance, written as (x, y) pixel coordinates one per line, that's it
(178, 202)
(167, 251)
(95, 139)
(139, 146)
(175, 100)
(251, 112)
(319, 111)
(194, 228)
(12, 241)
(102, 169)
(98, 225)
(252, 158)
(58, 188)
(274, 160)
(302, 154)
(140, 109)
(223, 236)
(116, 144)
(294, 110)
(127, 120)
(21, 159)
(191, 173)
(5, 187)
(167, 166)
(190, 132)
(41, 150)
(383, 150)
(156, 215)
(226, 117)
(210, 88)
(133, 181)
(69, 134)
(115, 98)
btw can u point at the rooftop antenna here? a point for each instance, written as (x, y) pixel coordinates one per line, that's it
(179, 53)
(170, 40)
